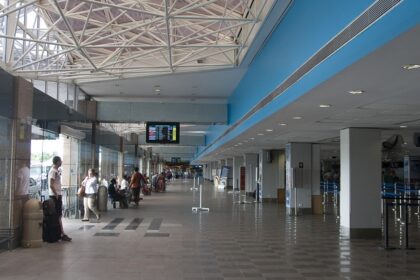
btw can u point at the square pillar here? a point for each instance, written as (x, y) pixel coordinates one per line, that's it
(360, 182)
(298, 178)
(316, 180)
(18, 172)
(269, 177)
(251, 165)
(238, 161)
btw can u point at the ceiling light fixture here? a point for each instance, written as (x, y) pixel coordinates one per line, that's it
(403, 126)
(411, 66)
(157, 88)
(282, 124)
(324, 105)
(260, 134)
(252, 138)
(297, 118)
(269, 130)
(356, 92)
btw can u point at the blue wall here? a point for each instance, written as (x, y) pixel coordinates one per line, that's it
(305, 29)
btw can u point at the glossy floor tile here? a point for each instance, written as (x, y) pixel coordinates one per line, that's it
(164, 239)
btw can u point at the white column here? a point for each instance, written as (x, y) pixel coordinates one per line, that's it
(251, 164)
(229, 163)
(316, 180)
(298, 177)
(238, 161)
(282, 169)
(360, 181)
(269, 175)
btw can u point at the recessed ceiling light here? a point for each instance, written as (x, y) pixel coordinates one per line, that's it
(252, 138)
(411, 66)
(269, 130)
(403, 126)
(282, 124)
(236, 145)
(297, 118)
(405, 143)
(324, 105)
(356, 92)
(260, 134)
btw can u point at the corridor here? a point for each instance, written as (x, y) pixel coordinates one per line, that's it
(164, 239)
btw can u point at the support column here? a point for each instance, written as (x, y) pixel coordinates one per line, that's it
(95, 148)
(360, 181)
(229, 163)
(268, 175)
(251, 165)
(121, 159)
(298, 178)
(20, 156)
(281, 189)
(316, 180)
(238, 161)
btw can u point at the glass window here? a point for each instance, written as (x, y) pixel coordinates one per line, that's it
(62, 92)
(52, 89)
(39, 85)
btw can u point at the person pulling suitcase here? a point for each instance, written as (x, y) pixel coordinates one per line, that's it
(54, 186)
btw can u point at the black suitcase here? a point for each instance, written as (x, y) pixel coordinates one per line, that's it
(51, 230)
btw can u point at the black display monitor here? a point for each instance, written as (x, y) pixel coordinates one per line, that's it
(162, 132)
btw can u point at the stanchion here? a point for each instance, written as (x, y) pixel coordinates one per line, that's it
(201, 208)
(194, 188)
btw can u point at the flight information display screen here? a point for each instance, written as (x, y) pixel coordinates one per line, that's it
(162, 133)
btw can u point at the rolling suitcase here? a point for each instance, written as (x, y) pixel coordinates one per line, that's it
(51, 231)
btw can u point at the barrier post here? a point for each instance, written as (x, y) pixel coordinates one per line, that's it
(201, 208)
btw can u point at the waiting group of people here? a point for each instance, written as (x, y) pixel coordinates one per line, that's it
(128, 190)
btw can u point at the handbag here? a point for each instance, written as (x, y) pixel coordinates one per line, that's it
(81, 191)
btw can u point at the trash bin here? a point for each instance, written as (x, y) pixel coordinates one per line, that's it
(102, 198)
(32, 224)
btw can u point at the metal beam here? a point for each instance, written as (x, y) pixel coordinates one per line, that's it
(184, 140)
(177, 112)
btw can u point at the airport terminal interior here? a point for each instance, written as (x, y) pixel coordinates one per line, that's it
(275, 139)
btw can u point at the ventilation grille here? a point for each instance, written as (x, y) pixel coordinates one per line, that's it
(370, 16)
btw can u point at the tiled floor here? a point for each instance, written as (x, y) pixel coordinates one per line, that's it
(163, 239)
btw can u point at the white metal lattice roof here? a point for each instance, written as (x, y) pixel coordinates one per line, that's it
(91, 40)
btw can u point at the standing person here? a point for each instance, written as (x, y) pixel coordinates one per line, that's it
(124, 191)
(91, 188)
(54, 189)
(136, 183)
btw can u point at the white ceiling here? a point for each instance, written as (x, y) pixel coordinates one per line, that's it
(201, 87)
(391, 99)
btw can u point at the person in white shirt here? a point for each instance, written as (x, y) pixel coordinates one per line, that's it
(124, 191)
(54, 189)
(91, 189)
